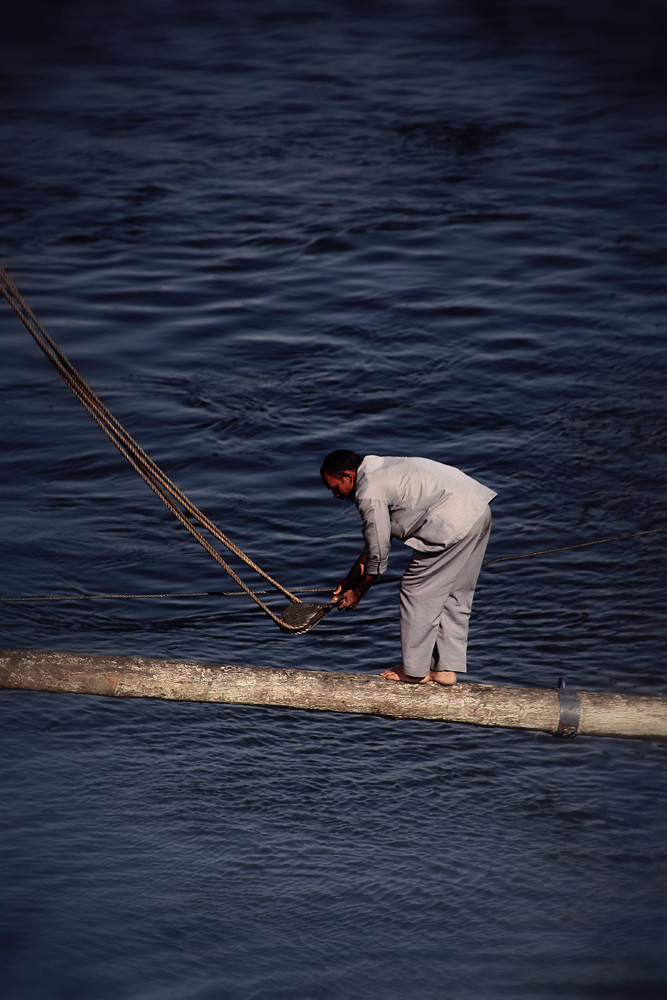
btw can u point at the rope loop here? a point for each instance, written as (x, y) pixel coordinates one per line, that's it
(174, 499)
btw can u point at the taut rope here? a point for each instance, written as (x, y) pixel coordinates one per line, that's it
(175, 501)
(303, 590)
(578, 545)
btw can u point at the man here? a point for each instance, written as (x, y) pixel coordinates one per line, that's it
(443, 515)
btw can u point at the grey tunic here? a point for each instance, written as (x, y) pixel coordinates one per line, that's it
(443, 514)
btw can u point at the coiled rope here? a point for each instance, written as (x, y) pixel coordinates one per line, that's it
(180, 506)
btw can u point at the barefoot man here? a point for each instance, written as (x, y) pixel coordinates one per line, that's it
(444, 516)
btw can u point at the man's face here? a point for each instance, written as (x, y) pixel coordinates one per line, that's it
(341, 486)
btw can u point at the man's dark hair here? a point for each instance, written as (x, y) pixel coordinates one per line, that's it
(340, 461)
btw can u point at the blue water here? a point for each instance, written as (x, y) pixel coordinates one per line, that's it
(263, 230)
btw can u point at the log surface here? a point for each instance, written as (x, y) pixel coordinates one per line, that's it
(600, 713)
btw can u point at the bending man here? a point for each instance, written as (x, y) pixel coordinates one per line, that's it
(443, 515)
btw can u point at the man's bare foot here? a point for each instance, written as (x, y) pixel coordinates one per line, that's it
(446, 677)
(399, 674)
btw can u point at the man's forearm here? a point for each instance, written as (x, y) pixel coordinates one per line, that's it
(356, 573)
(366, 581)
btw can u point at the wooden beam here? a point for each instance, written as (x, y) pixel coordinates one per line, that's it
(548, 710)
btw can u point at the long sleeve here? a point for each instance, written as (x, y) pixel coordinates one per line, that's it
(426, 504)
(377, 534)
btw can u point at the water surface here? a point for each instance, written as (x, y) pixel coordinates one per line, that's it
(261, 232)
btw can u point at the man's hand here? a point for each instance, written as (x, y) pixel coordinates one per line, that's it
(349, 596)
(347, 599)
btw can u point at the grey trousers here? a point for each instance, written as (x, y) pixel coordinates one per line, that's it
(436, 597)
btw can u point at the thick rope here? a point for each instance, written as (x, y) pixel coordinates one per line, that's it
(175, 501)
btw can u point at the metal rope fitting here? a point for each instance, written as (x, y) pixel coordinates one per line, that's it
(570, 711)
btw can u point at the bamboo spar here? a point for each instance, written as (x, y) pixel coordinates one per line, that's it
(547, 710)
